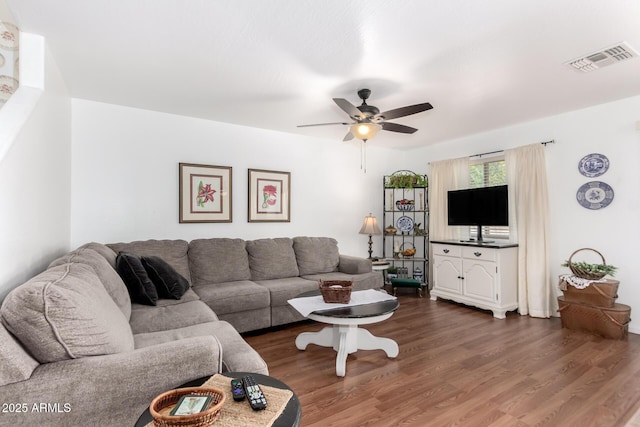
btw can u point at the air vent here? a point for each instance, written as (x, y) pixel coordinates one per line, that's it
(605, 57)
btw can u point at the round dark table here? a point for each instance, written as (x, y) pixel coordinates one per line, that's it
(290, 417)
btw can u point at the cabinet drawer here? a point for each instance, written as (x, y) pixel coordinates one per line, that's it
(447, 250)
(485, 254)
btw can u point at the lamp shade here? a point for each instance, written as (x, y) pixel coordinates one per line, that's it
(365, 131)
(370, 226)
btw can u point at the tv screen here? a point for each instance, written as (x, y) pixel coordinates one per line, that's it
(479, 206)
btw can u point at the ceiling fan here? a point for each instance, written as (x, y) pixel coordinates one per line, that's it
(368, 120)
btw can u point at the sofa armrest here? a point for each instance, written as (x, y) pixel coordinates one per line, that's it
(110, 390)
(354, 265)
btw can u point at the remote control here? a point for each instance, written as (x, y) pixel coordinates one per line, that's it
(254, 393)
(237, 390)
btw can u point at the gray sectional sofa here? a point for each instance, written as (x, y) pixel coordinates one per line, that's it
(74, 349)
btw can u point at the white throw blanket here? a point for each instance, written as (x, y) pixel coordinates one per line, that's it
(307, 305)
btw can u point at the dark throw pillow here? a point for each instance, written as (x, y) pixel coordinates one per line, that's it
(141, 288)
(169, 283)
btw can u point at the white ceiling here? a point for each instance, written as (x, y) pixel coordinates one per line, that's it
(277, 64)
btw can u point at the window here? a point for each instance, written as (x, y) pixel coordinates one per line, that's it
(487, 173)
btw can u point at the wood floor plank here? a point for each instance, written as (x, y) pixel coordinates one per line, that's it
(459, 366)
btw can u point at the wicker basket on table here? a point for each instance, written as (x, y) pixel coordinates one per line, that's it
(162, 405)
(336, 291)
(583, 273)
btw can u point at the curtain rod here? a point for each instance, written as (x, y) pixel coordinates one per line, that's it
(501, 151)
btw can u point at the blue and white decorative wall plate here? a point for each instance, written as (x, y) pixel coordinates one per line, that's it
(404, 224)
(593, 165)
(595, 195)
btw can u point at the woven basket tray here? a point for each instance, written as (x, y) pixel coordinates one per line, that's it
(162, 405)
(336, 291)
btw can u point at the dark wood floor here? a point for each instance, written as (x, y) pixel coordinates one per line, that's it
(459, 366)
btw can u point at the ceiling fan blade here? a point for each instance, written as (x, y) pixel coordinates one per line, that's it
(348, 137)
(348, 108)
(395, 127)
(325, 124)
(405, 111)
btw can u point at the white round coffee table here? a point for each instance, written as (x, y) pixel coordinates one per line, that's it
(344, 335)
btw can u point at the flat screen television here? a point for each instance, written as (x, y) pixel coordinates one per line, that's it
(479, 207)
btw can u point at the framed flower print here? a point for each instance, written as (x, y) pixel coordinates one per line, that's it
(205, 193)
(269, 196)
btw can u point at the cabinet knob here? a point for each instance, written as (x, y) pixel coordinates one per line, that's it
(446, 251)
(477, 253)
(461, 277)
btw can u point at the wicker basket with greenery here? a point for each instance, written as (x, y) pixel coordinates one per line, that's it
(589, 271)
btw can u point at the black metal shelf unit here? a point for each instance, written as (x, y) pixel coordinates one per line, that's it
(406, 210)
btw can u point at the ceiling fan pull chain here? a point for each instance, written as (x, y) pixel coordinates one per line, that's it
(363, 155)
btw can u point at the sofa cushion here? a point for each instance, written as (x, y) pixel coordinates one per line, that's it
(108, 276)
(188, 296)
(272, 259)
(15, 363)
(174, 252)
(168, 282)
(141, 288)
(218, 260)
(232, 297)
(176, 314)
(251, 320)
(316, 254)
(66, 313)
(282, 290)
(238, 356)
(354, 265)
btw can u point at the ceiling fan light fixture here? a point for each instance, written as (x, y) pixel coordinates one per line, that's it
(365, 131)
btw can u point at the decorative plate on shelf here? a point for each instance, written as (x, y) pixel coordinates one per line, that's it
(595, 195)
(593, 165)
(404, 224)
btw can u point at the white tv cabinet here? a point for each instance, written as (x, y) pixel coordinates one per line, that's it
(483, 275)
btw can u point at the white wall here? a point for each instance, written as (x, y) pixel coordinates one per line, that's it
(614, 231)
(35, 186)
(125, 177)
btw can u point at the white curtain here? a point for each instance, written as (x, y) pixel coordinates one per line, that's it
(529, 226)
(445, 175)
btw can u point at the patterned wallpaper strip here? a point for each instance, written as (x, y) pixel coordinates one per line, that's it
(9, 61)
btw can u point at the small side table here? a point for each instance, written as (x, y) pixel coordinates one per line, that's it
(381, 265)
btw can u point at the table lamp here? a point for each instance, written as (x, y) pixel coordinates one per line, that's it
(370, 227)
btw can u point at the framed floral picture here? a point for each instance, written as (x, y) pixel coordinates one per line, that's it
(269, 196)
(205, 193)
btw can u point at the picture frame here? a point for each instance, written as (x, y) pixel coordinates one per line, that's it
(205, 193)
(269, 196)
(190, 404)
